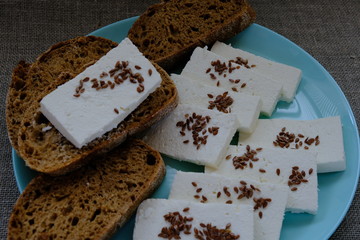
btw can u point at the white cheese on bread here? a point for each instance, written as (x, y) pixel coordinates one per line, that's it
(212, 69)
(322, 136)
(156, 218)
(103, 95)
(244, 106)
(268, 200)
(193, 134)
(293, 169)
(288, 76)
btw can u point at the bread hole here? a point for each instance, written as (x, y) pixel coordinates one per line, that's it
(140, 184)
(151, 13)
(74, 221)
(37, 194)
(31, 221)
(205, 16)
(23, 136)
(173, 30)
(18, 84)
(26, 205)
(23, 96)
(97, 212)
(53, 217)
(212, 7)
(27, 124)
(132, 198)
(194, 29)
(13, 224)
(29, 214)
(123, 171)
(150, 160)
(224, 1)
(170, 40)
(131, 186)
(146, 42)
(188, 4)
(41, 119)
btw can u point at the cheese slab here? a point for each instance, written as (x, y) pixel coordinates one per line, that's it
(268, 200)
(288, 76)
(322, 136)
(158, 219)
(244, 106)
(214, 70)
(295, 170)
(100, 97)
(193, 134)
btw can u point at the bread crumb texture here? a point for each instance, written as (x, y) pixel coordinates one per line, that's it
(167, 28)
(91, 202)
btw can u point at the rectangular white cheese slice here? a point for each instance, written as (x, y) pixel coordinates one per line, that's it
(293, 169)
(268, 200)
(212, 69)
(244, 106)
(99, 98)
(289, 77)
(193, 134)
(322, 136)
(156, 218)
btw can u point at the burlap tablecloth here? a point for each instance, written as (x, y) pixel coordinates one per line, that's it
(328, 30)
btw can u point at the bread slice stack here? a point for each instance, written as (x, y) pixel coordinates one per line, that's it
(91, 202)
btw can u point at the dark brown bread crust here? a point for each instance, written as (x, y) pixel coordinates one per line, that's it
(169, 31)
(48, 151)
(91, 202)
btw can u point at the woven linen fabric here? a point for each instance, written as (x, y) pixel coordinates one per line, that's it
(328, 30)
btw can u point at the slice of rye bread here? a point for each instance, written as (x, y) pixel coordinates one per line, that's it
(28, 80)
(49, 152)
(169, 31)
(91, 202)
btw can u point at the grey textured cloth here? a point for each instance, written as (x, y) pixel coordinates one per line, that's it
(328, 30)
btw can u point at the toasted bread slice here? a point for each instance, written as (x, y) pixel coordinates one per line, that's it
(170, 30)
(91, 202)
(42, 147)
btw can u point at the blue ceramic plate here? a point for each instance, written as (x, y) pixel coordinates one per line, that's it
(318, 96)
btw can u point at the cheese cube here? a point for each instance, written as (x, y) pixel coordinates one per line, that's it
(287, 76)
(295, 170)
(157, 217)
(244, 106)
(193, 134)
(212, 69)
(322, 136)
(103, 95)
(268, 200)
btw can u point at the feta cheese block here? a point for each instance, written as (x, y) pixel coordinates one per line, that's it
(287, 76)
(322, 136)
(211, 69)
(158, 219)
(268, 200)
(244, 106)
(193, 134)
(293, 169)
(103, 95)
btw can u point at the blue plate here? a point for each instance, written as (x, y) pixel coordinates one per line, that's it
(318, 96)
